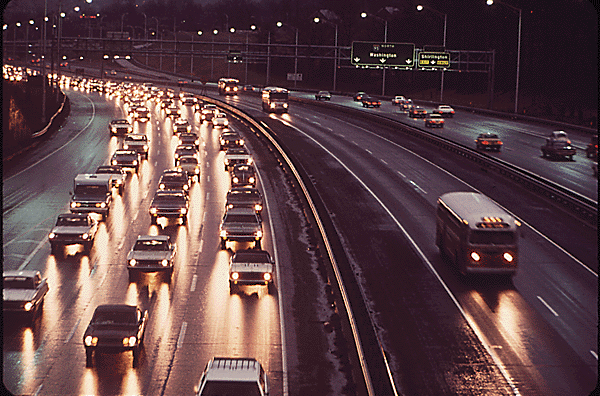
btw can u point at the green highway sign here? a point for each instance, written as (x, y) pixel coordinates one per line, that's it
(433, 60)
(378, 54)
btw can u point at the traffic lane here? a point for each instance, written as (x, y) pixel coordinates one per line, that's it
(31, 200)
(428, 238)
(522, 142)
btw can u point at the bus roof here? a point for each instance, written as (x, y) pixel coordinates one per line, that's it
(274, 89)
(474, 207)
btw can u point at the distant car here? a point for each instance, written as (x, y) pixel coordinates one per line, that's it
(174, 179)
(232, 376)
(208, 111)
(230, 139)
(141, 114)
(220, 120)
(23, 292)
(137, 142)
(488, 141)
(251, 267)
(417, 112)
(189, 138)
(397, 100)
(236, 155)
(119, 127)
(113, 72)
(406, 105)
(368, 101)
(248, 88)
(191, 166)
(558, 149)
(444, 111)
(181, 125)
(323, 95)
(558, 136)
(185, 150)
(358, 96)
(244, 197)
(434, 120)
(243, 175)
(591, 151)
(169, 204)
(118, 176)
(172, 111)
(113, 329)
(151, 253)
(73, 229)
(126, 159)
(242, 225)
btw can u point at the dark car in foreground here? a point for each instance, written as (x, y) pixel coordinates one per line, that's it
(115, 328)
(369, 101)
(169, 204)
(488, 141)
(72, 229)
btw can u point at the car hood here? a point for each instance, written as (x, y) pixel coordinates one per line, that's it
(232, 226)
(149, 255)
(71, 230)
(18, 294)
(111, 330)
(251, 267)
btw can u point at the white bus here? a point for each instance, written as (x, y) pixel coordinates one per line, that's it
(476, 234)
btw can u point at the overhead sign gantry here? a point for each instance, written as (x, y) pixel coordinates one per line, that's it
(378, 54)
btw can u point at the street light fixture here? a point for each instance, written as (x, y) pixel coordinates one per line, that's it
(421, 8)
(519, 11)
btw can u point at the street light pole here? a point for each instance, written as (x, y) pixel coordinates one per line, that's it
(146, 35)
(519, 11)
(420, 8)
(335, 61)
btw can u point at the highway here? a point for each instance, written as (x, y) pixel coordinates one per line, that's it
(536, 334)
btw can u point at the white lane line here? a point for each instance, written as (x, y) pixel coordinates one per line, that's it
(594, 354)
(28, 259)
(201, 246)
(384, 161)
(181, 335)
(369, 151)
(401, 174)
(208, 178)
(72, 332)
(207, 195)
(416, 186)
(204, 217)
(193, 286)
(38, 390)
(547, 306)
(61, 147)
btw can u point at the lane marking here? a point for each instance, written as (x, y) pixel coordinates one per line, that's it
(28, 259)
(369, 151)
(208, 178)
(207, 195)
(72, 331)
(417, 186)
(384, 161)
(181, 335)
(201, 246)
(193, 286)
(594, 354)
(547, 305)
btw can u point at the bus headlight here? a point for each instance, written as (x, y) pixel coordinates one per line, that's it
(475, 256)
(508, 257)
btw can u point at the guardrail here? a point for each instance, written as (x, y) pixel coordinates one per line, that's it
(583, 207)
(383, 374)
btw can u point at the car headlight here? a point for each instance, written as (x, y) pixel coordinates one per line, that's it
(164, 262)
(186, 187)
(272, 105)
(114, 129)
(153, 211)
(85, 236)
(28, 306)
(267, 276)
(259, 234)
(115, 162)
(249, 161)
(236, 180)
(258, 207)
(75, 204)
(241, 142)
(132, 262)
(129, 341)
(103, 204)
(226, 161)
(251, 179)
(508, 257)
(235, 275)
(126, 146)
(285, 105)
(145, 147)
(475, 256)
(52, 235)
(226, 122)
(197, 170)
(135, 162)
(183, 210)
(91, 341)
(223, 233)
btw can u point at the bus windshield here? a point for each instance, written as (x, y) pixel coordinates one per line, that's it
(492, 238)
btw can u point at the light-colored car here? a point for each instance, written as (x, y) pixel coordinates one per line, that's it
(151, 253)
(241, 225)
(250, 267)
(323, 95)
(397, 100)
(232, 376)
(444, 111)
(488, 141)
(137, 142)
(73, 229)
(434, 120)
(190, 165)
(181, 125)
(23, 292)
(220, 120)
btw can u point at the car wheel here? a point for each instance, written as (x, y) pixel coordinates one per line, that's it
(136, 356)
(55, 248)
(184, 220)
(132, 276)
(121, 189)
(257, 245)
(270, 287)
(233, 288)
(87, 247)
(223, 244)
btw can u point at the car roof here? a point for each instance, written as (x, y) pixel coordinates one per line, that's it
(20, 273)
(153, 238)
(73, 215)
(233, 369)
(116, 308)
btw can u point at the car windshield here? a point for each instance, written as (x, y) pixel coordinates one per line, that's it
(252, 257)
(244, 193)
(90, 189)
(171, 198)
(118, 317)
(492, 237)
(135, 138)
(188, 160)
(18, 282)
(72, 221)
(152, 245)
(173, 179)
(240, 218)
